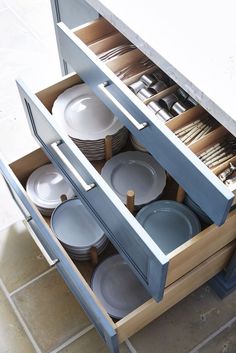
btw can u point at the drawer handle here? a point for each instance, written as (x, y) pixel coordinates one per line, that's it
(63, 158)
(47, 257)
(139, 126)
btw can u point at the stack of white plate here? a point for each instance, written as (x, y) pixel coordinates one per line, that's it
(137, 145)
(88, 121)
(77, 230)
(137, 171)
(45, 186)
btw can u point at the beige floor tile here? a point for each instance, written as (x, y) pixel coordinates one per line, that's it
(90, 343)
(225, 342)
(187, 324)
(50, 311)
(20, 258)
(12, 336)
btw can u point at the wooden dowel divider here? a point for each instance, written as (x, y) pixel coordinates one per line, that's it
(63, 197)
(93, 255)
(180, 194)
(130, 200)
(108, 147)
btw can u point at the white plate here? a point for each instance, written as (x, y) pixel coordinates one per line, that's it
(74, 226)
(137, 171)
(117, 288)
(83, 115)
(45, 186)
(138, 146)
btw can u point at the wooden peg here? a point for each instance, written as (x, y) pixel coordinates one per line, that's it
(180, 194)
(93, 256)
(130, 200)
(108, 147)
(63, 197)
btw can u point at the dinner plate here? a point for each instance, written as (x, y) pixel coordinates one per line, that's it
(195, 208)
(74, 226)
(83, 116)
(169, 223)
(138, 146)
(46, 185)
(137, 171)
(117, 288)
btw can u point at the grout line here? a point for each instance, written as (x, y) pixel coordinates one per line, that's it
(213, 335)
(21, 320)
(130, 346)
(73, 338)
(32, 281)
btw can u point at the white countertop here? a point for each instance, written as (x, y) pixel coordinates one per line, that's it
(194, 43)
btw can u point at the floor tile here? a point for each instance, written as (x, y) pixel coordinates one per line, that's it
(12, 336)
(20, 258)
(26, 10)
(187, 324)
(50, 311)
(90, 343)
(225, 342)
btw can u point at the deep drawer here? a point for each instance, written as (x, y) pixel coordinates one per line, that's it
(79, 48)
(126, 234)
(77, 276)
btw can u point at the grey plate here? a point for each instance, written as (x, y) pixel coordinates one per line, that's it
(74, 226)
(137, 171)
(169, 223)
(117, 288)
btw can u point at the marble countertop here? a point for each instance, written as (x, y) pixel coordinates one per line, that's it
(194, 43)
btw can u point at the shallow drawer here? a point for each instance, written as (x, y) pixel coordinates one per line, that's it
(80, 48)
(77, 275)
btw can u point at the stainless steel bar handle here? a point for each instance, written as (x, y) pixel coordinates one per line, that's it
(50, 261)
(139, 126)
(63, 158)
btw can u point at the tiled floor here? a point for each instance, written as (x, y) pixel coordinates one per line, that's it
(37, 311)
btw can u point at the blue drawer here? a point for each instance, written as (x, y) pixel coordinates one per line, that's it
(182, 164)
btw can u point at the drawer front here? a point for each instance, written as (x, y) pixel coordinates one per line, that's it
(144, 257)
(57, 256)
(196, 179)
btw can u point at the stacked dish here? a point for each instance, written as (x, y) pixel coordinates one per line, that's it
(201, 214)
(77, 230)
(169, 223)
(88, 121)
(117, 288)
(45, 186)
(137, 145)
(137, 171)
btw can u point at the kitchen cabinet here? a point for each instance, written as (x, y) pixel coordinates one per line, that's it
(168, 278)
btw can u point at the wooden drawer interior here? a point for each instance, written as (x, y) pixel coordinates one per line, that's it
(96, 30)
(190, 265)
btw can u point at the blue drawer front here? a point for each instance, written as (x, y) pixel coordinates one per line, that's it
(197, 180)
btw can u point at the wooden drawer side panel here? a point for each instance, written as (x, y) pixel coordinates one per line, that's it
(149, 311)
(203, 245)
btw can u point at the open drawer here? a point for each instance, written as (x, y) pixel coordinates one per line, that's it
(216, 243)
(81, 48)
(153, 268)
